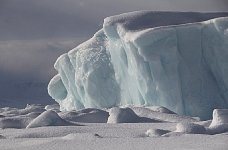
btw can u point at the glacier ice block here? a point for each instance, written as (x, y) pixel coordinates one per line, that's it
(175, 60)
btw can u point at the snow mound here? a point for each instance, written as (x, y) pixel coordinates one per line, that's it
(54, 107)
(160, 109)
(29, 109)
(220, 116)
(19, 118)
(174, 60)
(156, 132)
(122, 115)
(14, 122)
(168, 117)
(219, 123)
(48, 118)
(190, 128)
(89, 115)
(19, 122)
(126, 115)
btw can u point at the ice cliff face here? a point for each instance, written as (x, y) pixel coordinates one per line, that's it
(176, 60)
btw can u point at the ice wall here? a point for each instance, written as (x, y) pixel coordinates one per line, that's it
(148, 58)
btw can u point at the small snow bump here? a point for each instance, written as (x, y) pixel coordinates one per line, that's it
(190, 128)
(156, 132)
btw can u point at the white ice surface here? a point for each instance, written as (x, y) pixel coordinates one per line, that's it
(219, 117)
(144, 58)
(89, 115)
(127, 115)
(65, 132)
(190, 128)
(219, 122)
(107, 137)
(48, 118)
(37, 116)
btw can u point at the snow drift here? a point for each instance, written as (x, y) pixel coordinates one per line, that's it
(175, 60)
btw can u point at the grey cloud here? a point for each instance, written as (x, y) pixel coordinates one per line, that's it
(30, 19)
(32, 59)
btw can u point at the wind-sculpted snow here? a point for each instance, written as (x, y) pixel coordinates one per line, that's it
(175, 60)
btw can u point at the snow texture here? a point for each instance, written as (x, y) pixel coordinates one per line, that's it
(175, 60)
(48, 118)
(156, 132)
(108, 137)
(219, 117)
(126, 115)
(184, 134)
(219, 123)
(36, 116)
(190, 128)
(88, 115)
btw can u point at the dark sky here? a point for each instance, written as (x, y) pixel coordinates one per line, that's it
(33, 19)
(33, 33)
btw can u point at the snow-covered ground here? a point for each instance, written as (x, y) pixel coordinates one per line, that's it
(130, 127)
(106, 136)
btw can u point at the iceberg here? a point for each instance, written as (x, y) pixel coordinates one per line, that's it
(175, 60)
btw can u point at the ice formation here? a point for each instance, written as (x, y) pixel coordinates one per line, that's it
(219, 117)
(175, 60)
(48, 118)
(190, 128)
(156, 132)
(127, 115)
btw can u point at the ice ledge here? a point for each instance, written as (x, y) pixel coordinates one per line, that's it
(147, 58)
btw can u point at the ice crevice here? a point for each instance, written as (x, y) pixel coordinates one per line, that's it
(179, 62)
